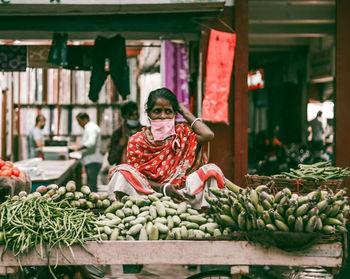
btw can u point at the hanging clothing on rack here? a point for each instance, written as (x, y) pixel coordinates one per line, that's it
(221, 53)
(13, 58)
(37, 56)
(109, 57)
(174, 69)
(79, 58)
(58, 50)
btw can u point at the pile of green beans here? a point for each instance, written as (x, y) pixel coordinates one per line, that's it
(35, 222)
(318, 171)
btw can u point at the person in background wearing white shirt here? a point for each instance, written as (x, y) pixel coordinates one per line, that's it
(90, 147)
(36, 137)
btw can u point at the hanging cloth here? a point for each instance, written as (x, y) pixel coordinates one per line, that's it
(79, 58)
(109, 57)
(13, 58)
(174, 69)
(37, 57)
(58, 50)
(221, 52)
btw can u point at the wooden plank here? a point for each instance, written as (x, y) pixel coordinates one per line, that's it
(186, 252)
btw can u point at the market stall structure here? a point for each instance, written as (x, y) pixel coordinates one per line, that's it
(185, 21)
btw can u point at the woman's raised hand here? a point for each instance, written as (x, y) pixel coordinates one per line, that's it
(182, 109)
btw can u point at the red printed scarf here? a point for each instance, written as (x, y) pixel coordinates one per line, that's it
(164, 161)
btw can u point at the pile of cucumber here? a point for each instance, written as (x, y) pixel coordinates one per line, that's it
(154, 217)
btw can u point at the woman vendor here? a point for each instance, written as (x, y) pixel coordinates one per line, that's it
(167, 158)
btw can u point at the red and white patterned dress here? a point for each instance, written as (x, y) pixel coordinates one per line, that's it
(172, 160)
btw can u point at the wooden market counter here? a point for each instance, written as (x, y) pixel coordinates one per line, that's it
(238, 254)
(45, 172)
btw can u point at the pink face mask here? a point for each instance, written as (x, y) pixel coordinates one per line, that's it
(162, 128)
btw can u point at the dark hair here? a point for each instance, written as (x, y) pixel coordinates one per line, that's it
(127, 108)
(39, 118)
(83, 115)
(161, 93)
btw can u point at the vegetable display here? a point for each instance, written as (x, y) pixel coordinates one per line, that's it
(53, 216)
(32, 221)
(154, 217)
(318, 171)
(258, 209)
(84, 199)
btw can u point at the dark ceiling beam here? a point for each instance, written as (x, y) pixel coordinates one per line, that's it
(25, 8)
(305, 29)
(290, 12)
(292, 2)
(176, 23)
(274, 48)
(284, 35)
(72, 36)
(292, 21)
(268, 41)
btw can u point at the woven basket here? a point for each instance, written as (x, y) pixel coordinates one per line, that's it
(299, 186)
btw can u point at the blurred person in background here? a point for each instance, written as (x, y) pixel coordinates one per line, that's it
(117, 148)
(36, 137)
(317, 134)
(129, 126)
(90, 147)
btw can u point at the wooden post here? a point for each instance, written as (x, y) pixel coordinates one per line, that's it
(19, 150)
(342, 111)
(45, 81)
(58, 100)
(229, 149)
(12, 122)
(3, 123)
(240, 108)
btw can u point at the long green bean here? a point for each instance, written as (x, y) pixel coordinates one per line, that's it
(32, 222)
(318, 171)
